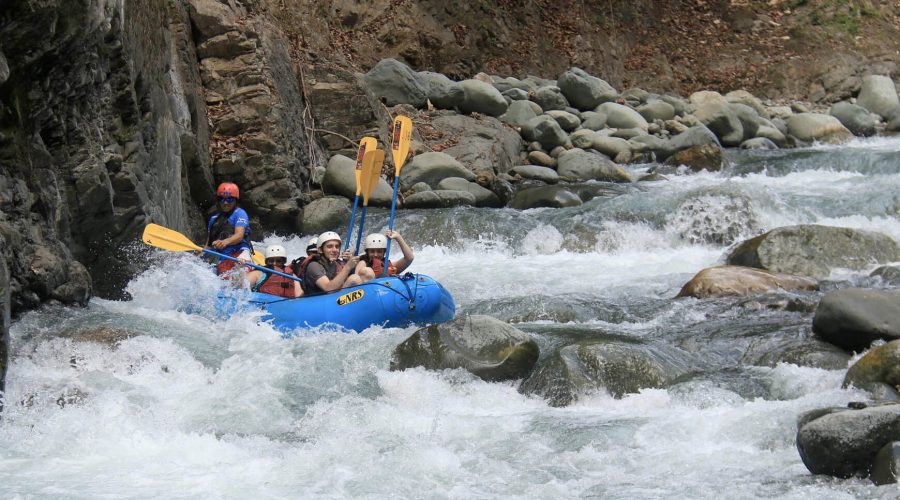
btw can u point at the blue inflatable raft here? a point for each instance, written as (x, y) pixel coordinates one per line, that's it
(389, 302)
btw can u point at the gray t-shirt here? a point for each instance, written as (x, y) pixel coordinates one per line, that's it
(316, 270)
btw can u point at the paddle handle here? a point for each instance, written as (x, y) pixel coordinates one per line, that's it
(387, 251)
(248, 264)
(352, 222)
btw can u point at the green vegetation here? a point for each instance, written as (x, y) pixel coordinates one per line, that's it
(842, 15)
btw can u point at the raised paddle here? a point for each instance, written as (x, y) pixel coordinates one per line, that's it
(167, 239)
(372, 162)
(365, 144)
(399, 149)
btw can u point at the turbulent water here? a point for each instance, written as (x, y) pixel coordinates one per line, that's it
(190, 406)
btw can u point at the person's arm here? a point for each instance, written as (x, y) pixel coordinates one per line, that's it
(337, 282)
(231, 240)
(408, 255)
(298, 290)
(253, 277)
(361, 266)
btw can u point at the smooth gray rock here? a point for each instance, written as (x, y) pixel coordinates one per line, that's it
(583, 90)
(664, 148)
(545, 130)
(813, 250)
(340, 178)
(550, 97)
(481, 97)
(487, 347)
(519, 113)
(888, 274)
(578, 164)
(567, 121)
(809, 127)
(545, 196)
(722, 119)
(593, 120)
(431, 168)
(483, 197)
(515, 95)
(878, 94)
(396, 83)
(844, 443)
(536, 172)
(886, 467)
(326, 214)
(773, 134)
(657, 110)
(620, 116)
(439, 199)
(853, 318)
(758, 143)
(443, 92)
(749, 119)
(485, 145)
(857, 119)
(747, 99)
(541, 158)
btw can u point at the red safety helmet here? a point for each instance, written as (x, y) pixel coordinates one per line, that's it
(228, 189)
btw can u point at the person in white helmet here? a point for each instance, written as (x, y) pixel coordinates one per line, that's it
(327, 271)
(371, 265)
(276, 259)
(298, 265)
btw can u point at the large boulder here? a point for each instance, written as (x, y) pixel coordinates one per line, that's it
(663, 149)
(813, 250)
(483, 144)
(747, 99)
(722, 281)
(395, 83)
(577, 164)
(844, 443)
(482, 345)
(615, 367)
(857, 119)
(481, 97)
(567, 121)
(709, 157)
(810, 127)
(657, 110)
(721, 118)
(432, 168)
(211, 17)
(340, 178)
(583, 90)
(878, 94)
(852, 318)
(325, 214)
(550, 97)
(443, 92)
(878, 371)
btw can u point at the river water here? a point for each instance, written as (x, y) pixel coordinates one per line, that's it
(200, 408)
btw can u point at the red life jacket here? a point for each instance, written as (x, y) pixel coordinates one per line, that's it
(226, 265)
(274, 284)
(377, 266)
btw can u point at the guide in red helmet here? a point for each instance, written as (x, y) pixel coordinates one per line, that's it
(228, 230)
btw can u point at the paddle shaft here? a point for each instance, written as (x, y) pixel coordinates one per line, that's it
(359, 234)
(352, 222)
(387, 251)
(248, 264)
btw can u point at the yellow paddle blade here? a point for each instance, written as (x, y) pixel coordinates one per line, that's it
(258, 258)
(400, 142)
(167, 239)
(372, 163)
(365, 144)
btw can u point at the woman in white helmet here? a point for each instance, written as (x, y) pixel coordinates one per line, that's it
(327, 272)
(372, 263)
(276, 258)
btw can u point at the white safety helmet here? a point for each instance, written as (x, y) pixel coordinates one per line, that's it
(275, 251)
(311, 246)
(326, 237)
(375, 241)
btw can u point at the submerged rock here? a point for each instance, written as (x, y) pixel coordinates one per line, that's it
(886, 469)
(577, 164)
(482, 345)
(809, 127)
(545, 196)
(708, 157)
(813, 250)
(722, 281)
(617, 367)
(853, 318)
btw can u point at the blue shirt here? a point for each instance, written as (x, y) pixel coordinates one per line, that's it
(238, 218)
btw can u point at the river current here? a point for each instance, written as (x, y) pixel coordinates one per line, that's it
(194, 407)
